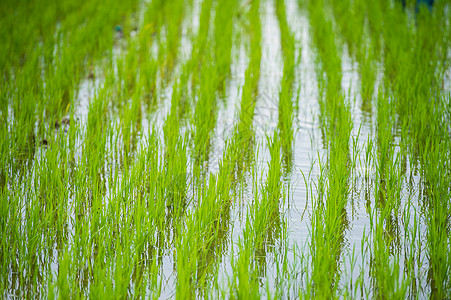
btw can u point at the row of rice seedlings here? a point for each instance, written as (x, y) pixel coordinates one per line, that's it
(126, 98)
(286, 105)
(386, 267)
(205, 92)
(176, 160)
(204, 236)
(352, 32)
(205, 112)
(375, 18)
(202, 239)
(330, 217)
(243, 133)
(174, 12)
(148, 44)
(225, 12)
(200, 43)
(262, 230)
(436, 196)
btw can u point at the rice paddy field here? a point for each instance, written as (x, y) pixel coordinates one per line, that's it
(237, 149)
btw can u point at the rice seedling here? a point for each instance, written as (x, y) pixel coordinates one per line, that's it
(286, 106)
(119, 179)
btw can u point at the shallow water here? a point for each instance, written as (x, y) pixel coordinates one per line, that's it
(300, 185)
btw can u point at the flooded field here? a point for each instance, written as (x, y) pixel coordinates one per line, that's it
(237, 149)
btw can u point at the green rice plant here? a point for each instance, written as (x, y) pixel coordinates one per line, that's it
(266, 214)
(178, 109)
(330, 217)
(437, 195)
(245, 282)
(174, 10)
(200, 42)
(386, 233)
(176, 179)
(367, 71)
(205, 113)
(172, 14)
(206, 241)
(323, 38)
(255, 41)
(243, 135)
(350, 17)
(263, 228)
(223, 38)
(286, 106)
(376, 23)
